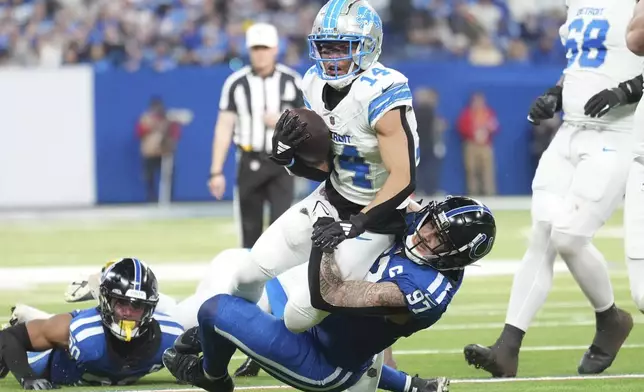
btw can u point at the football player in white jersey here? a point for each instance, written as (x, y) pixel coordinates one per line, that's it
(368, 109)
(634, 199)
(580, 180)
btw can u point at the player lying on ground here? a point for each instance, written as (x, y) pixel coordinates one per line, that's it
(409, 288)
(116, 343)
(580, 180)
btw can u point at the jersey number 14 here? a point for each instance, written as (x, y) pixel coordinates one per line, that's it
(591, 52)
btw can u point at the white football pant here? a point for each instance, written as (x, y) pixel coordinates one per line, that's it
(579, 182)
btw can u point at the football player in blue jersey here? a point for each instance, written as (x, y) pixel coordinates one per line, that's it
(115, 343)
(408, 289)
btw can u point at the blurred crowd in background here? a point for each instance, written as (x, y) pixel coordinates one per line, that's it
(165, 34)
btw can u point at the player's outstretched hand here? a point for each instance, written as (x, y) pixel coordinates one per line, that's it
(602, 102)
(290, 132)
(39, 384)
(328, 235)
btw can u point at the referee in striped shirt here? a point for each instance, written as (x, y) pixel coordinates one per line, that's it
(251, 102)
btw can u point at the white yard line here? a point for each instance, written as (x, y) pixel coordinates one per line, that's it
(450, 351)
(453, 381)
(536, 324)
(26, 277)
(523, 349)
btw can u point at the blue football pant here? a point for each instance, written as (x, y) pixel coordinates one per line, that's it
(227, 322)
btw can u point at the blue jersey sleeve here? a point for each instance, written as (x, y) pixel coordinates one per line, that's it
(86, 336)
(170, 331)
(169, 326)
(426, 290)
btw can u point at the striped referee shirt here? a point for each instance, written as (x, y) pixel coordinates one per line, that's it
(250, 97)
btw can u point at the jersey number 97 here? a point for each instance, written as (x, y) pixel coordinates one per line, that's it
(591, 51)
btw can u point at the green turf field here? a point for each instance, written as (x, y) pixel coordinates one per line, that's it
(552, 347)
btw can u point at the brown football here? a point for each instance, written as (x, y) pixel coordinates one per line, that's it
(316, 148)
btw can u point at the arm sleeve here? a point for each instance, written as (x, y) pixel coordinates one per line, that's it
(301, 169)
(318, 302)
(14, 344)
(633, 89)
(380, 212)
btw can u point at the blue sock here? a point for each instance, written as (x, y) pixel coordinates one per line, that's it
(393, 380)
(217, 350)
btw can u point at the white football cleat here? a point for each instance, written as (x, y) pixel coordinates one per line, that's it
(83, 289)
(78, 291)
(21, 313)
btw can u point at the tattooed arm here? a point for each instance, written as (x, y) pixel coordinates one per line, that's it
(355, 294)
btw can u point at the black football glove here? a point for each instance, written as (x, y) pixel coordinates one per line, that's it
(546, 105)
(328, 234)
(289, 133)
(39, 384)
(602, 102)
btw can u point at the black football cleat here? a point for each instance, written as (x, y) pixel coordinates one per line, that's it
(610, 335)
(13, 320)
(188, 368)
(440, 384)
(4, 369)
(494, 360)
(249, 368)
(188, 342)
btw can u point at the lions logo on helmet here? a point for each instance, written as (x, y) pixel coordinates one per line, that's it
(463, 228)
(128, 295)
(357, 28)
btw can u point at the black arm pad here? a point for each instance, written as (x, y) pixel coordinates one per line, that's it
(14, 344)
(300, 169)
(380, 212)
(633, 89)
(315, 261)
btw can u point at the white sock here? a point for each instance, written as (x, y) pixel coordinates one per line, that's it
(533, 279)
(587, 266)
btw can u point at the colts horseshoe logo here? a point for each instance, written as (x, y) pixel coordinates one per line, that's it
(480, 246)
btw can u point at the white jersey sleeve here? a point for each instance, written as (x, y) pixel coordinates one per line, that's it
(382, 94)
(594, 36)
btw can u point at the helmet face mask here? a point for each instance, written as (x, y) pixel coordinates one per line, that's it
(355, 26)
(128, 296)
(451, 234)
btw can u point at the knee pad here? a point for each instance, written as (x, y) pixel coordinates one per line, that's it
(223, 271)
(568, 243)
(234, 272)
(299, 318)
